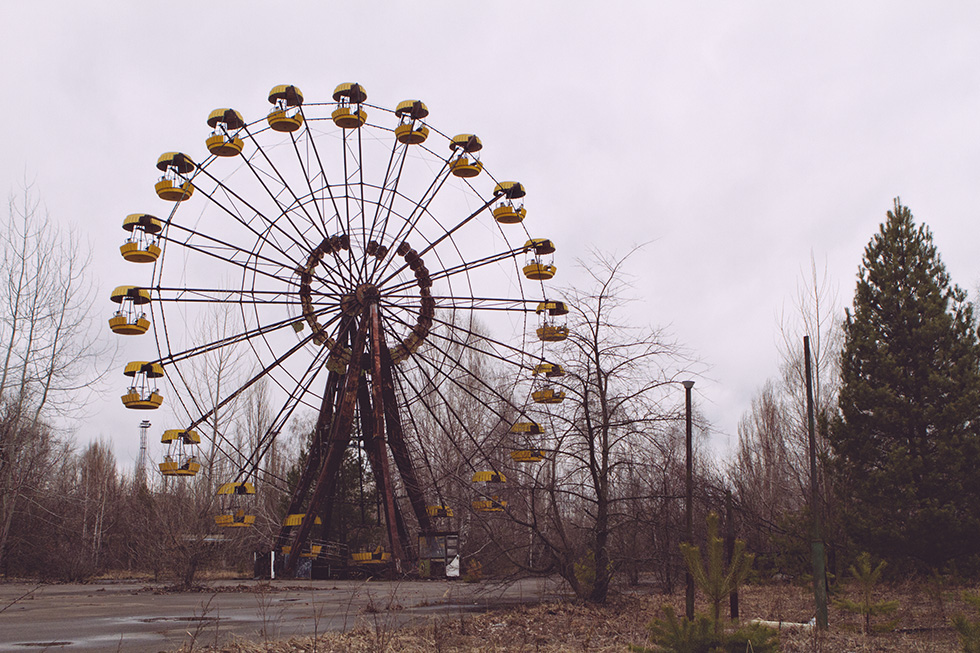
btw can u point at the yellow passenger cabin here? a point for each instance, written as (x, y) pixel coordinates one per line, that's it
(552, 327)
(506, 211)
(129, 319)
(143, 394)
(539, 263)
(181, 457)
(527, 455)
(465, 158)
(409, 130)
(141, 245)
(493, 504)
(236, 505)
(286, 114)
(348, 114)
(224, 140)
(377, 557)
(173, 186)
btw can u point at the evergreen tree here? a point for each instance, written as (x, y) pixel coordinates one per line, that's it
(906, 446)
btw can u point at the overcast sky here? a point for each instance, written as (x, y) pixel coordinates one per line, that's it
(735, 138)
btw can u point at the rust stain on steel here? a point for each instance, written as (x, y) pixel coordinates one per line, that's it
(338, 439)
(396, 440)
(317, 451)
(397, 553)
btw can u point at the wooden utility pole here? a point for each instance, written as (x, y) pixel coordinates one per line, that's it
(816, 532)
(689, 507)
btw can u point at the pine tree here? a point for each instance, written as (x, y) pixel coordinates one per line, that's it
(906, 446)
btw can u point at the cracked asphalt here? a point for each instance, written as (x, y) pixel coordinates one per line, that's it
(135, 616)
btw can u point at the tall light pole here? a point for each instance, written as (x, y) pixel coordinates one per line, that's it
(689, 514)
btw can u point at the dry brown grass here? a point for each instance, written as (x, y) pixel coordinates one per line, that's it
(565, 626)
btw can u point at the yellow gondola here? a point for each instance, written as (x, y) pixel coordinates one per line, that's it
(180, 459)
(539, 265)
(550, 370)
(550, 329)
(141, 394)
(127, 320)
(527, 455)
(286, 115)
(296, 519)
(141, 245)
(235, 499)
(543, 392)
(312, 550)
(489, 477)
(489, 480)
(461, 164)
(506, 211)
(548, 396)
(529, 428)
(377, 557)
(348, 115)
(408, 130)
(224, 140)
(439, 511)
(172, 186)
(493, 504)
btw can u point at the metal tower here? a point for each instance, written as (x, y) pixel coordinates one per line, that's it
(141, 459)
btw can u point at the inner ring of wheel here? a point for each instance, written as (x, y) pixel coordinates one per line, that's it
(352, 304)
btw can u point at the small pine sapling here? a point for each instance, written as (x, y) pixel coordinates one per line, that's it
(717, 580)
(674, 635)
(969, 630)
(865, 606)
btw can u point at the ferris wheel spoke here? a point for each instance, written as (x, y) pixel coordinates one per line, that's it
(447, 234)
(392, 318)
(403, 381)
(224, 250)
(419, 209)
(436, 388)
(245, 336)
(224, 295)
(319, 162)
(283, 207)
(293, 400)
(461, 268)
(271, 225)
(462, 302)
(248, 384)
(386, 195)
(473, 336)
(309, 185)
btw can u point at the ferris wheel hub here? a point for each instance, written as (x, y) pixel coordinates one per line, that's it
(367, 293)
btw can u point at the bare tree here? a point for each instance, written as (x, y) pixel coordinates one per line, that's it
(618, 405)
(770, 470)
(48, 348)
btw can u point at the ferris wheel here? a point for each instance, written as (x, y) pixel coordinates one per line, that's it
(369, 261)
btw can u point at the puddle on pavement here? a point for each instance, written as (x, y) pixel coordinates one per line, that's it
(153, 620)
(43, 644)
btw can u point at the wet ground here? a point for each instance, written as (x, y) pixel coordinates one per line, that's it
(134, 616)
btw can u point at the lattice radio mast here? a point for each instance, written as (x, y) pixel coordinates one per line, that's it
(141, 459)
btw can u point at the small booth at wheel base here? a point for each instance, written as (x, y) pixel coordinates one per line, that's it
(439, 554)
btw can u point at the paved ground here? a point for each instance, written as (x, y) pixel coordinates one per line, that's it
(128, 616)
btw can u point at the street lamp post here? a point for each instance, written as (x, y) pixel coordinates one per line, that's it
(689, 514)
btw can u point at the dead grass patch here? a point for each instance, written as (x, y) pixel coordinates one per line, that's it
(923, 626)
